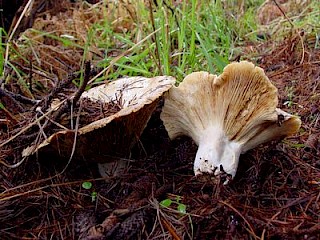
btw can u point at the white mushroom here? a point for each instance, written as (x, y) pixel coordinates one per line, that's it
(110, 139)
(226, 115)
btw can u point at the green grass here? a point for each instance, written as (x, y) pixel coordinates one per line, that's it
(192, 36)
(305, 17)
(2, 52)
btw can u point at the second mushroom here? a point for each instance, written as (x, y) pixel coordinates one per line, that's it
(226, 115)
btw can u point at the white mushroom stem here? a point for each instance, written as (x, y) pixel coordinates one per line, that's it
(226, 115)
(216, 153)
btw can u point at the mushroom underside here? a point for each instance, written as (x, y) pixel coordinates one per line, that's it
(226, 115)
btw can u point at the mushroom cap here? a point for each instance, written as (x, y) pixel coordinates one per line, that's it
(111, 137)
(182, 113)
(282, 125)
(226, 115)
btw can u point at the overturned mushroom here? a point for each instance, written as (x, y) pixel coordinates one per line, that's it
(226, 115)
(109, 139)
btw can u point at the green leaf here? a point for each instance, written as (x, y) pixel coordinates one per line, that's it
(298, 145)
(178, 199)
(166, 203)
(1, 106)
(220, 62)
(182, 208)
(87, 185)
(94, 196)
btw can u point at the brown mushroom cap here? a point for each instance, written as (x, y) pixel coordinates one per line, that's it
(111, 137)
(226, 115)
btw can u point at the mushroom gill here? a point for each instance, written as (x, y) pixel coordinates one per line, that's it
(226, 115)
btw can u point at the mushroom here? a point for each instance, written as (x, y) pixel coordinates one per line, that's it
(110, 139)
(226, 115)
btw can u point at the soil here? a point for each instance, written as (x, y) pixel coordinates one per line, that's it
(275, 194)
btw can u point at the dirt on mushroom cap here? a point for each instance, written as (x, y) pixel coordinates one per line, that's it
(110, 136)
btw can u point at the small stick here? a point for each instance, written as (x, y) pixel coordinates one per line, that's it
(299, 34)
(251, 231)
(17, 104)
(28, 127)
(84, 84)
(63, 106)
(60, 85)
(76, 97)
(170, 229)
(155, 37)
(17, 97)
